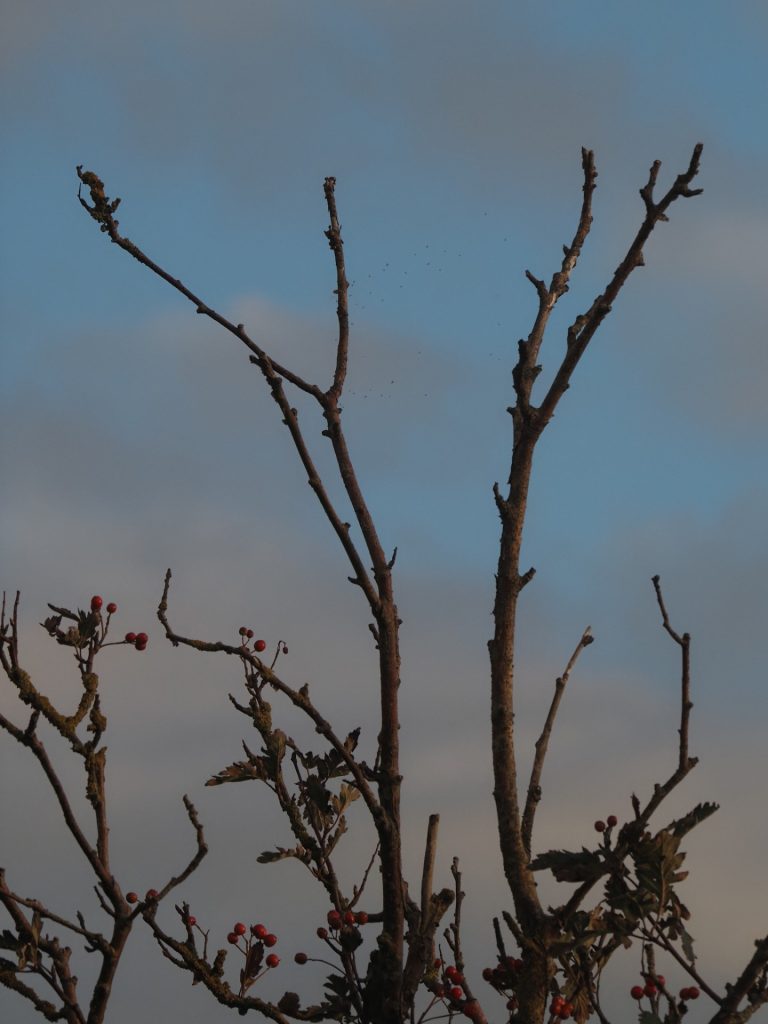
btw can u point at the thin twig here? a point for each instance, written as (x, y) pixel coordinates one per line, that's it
(534, 785)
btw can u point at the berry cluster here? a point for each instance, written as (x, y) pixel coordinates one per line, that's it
(343, 932)
(137, 640)
(610, 822)
(561, 1008)
(453, 983)
(654, 982)
(97, 602)
(133, 897)
(505, 974)
(454, 992)
(253, 944)
(504, 977)
(247, 634)
(337, 920)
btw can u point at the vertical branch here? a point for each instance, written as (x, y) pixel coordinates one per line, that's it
(333, 234)
(528, 424)
(542, 743)
(430, 849)
(686, 704)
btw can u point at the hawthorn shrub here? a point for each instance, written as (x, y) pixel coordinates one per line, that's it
(395, 952)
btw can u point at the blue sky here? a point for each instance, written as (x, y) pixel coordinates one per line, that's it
(136, 436)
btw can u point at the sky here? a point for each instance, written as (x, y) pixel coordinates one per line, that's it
(136, 436)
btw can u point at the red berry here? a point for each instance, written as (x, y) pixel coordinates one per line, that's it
(285, 648)
(259, 931)
(612, 820)
(96, 603)
(141, 645)
(130, 638)
(438, 963)
(151, 894)
(487, 974)
(249, 633)
(272, 960)
(142, 638)
(637, 992)
(260, 645)
(557, 1004)
(650, 989)
(239, 928)
(599, 826)
(690, 993)
(234, 939)
(270, 940)
(660, 980)
(349, 917)
(361, 917)
(242, 631)
(451, 973)
(111, 607)
(322, 933)
(191, 921)
(132, 897)
(456, 993)
(300, 958)
(334, 919)
(565, 1011)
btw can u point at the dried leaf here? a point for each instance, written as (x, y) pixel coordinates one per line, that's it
(687, 942)
(51, 624)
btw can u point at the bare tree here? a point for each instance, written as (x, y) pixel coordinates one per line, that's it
(559, 952)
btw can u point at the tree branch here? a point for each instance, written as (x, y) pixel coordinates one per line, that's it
(534, 786)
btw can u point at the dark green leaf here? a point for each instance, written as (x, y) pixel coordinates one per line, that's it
(289, 1003)
(65, 612)
(241, 771)
(700, 813)
(584, 866)
(281, 853)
